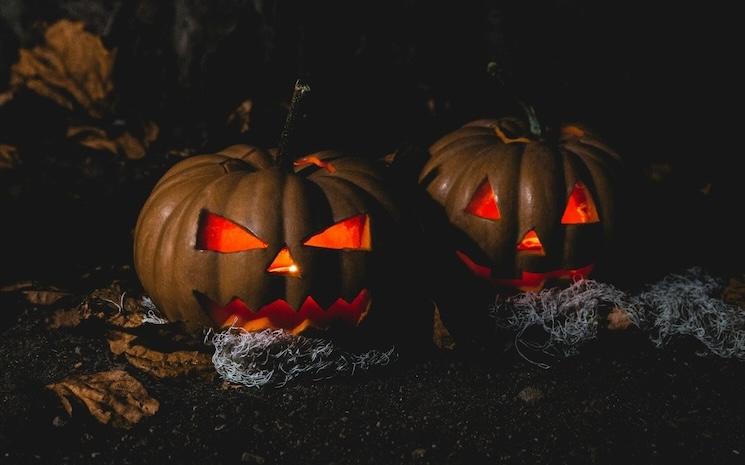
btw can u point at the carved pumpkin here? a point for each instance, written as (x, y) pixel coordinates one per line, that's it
(526, 210)
(234, 239)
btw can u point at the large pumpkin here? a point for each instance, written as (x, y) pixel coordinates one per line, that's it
(234, 239)
(526, 210)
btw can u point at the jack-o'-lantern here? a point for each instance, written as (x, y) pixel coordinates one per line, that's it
(527, 210)
(258, 239)
(232, 239)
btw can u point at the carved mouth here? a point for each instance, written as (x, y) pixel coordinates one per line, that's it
(280, 314)
(528, 281)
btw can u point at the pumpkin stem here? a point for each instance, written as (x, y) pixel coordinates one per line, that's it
(499, 75)
(534, 125)
(285, 153)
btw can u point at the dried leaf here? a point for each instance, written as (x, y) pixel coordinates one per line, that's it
(440, 334)
(41, 297)
(8, 156)
(16, 286)
(734, 293)
(6, 97)
(156, 363)
(92, 137)
(66, 318)
(72, 68)
(125, 144)
(241, 116)
(618, 319)
(112, 397)
(130, 146)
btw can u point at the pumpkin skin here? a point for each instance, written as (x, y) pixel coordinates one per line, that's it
(510, 198)
(277, 216)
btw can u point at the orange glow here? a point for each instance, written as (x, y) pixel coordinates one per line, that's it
(222, 235)
(284, 264)
(536, 281)
(302, 326)
(484, 203)
(509, 140)
(572, 131)
(351, 233)
(478, 270)
(313, 160)
(528, 280)
(255, 325)
(531, 244)
(279, 314)
(580, 207)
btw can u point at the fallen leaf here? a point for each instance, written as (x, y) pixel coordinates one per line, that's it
(618, 319)
(440, 334)
(734, 293)
(65, 318)
(6, 97)
(72, 68)
(112, 397)
(92, 137)
(39, 297)
(241, 116)
(124, 144)
(156, 363)
(16, 286)
(530, 395)
(8, 156)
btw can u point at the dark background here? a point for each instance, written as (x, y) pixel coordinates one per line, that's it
(658, 81)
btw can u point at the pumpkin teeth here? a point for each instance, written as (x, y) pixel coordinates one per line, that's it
(280, 315)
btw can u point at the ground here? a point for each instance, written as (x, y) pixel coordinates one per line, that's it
(620, 401)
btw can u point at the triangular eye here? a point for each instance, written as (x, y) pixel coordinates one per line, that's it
(219, 234)
(351, 233)
(484, 202)
(580, 207)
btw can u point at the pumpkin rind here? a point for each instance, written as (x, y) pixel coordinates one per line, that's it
(532, 180)
(282, 209)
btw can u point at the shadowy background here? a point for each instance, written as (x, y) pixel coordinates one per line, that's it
(657, 81)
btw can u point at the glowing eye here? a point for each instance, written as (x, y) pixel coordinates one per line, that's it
(351, 233)
(222, 235)
(484, 203)
(580, 207)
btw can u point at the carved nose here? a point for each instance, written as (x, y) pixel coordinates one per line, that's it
(284, 264)
(531, 244)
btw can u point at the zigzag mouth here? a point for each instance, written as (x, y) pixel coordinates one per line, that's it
(280, 315)
(528, 280)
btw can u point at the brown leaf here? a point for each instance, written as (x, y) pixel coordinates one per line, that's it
(72, 68)
(66, 318)
(40, 297)
(6, 97)
(8, 156)
(440, 334)
(618, 319)
(130, 146)
(734, 293)
(92, 137)
(125, 144)
(112, 397)
(156, 363)
(241, 116)
(16, 286)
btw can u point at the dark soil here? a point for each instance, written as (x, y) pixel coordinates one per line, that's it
(619, 401)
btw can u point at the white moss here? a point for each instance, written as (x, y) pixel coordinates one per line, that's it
(275, 357)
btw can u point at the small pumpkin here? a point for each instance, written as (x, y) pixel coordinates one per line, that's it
(527, 210)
